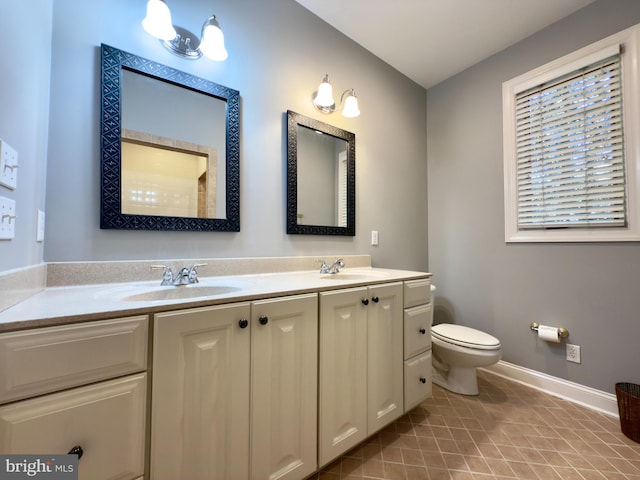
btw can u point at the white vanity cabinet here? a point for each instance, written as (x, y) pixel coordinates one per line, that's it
(384, 354)
(200, 393)
(235, 391)
(361, 380)
(418, 317)
(284, 387)
(80, 385)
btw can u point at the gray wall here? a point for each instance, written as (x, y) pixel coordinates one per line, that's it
(25, 61)
(591, 289)
(278, 54)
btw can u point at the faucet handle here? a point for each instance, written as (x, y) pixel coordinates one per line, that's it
(196, 265)
(337, 265)
(324, 268)
(167, 275)
(193, 272)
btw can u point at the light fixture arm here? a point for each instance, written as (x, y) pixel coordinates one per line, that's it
(185, 44)
(350, 91)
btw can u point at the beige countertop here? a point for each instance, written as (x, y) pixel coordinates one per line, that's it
(72, 304)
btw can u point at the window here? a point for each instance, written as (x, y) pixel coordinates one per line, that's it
(571, 153)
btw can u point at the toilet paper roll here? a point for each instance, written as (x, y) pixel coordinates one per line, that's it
(549, 334)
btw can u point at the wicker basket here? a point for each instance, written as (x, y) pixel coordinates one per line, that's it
(628, 395)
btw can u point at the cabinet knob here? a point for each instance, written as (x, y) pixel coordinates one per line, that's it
(375, 299)
(263, 320)
(365, 301)
(244, 323)
(422, 331)
(77, 450)
(423, 380)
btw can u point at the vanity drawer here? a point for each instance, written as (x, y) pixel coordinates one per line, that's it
(417, 292)
(107, 420)
(417, 380)
(417, 330)
(49, 359)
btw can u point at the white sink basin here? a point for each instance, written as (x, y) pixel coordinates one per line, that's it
(363, 275)
(180, 292)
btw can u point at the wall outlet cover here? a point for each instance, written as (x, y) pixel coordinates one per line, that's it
(573, 353)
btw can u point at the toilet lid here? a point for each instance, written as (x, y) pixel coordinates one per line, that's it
(465, 336)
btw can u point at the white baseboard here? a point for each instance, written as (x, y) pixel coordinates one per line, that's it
(586, 396)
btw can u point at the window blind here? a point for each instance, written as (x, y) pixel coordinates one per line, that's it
(569, 150)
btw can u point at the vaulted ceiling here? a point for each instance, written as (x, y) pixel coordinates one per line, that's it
(432, 40)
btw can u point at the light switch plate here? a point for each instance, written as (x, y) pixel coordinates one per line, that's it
(7, 218)
(8, 166)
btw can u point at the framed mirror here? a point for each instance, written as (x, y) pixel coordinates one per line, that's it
(321, 178)
(170, 148)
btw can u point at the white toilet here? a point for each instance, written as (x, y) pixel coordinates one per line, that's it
(457, 352)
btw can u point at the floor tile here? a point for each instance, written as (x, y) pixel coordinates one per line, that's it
(508, 431)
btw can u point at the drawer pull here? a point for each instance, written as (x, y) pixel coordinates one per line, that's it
(243, 323)
(263, 320)
(77, 450)
(365, 301)
(375, 299)
(423, 380)
(422, 331)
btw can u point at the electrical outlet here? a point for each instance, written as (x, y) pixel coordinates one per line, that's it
(374, 237)
(573, 353)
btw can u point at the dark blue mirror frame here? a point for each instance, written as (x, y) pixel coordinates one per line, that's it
(111, 216)
(293, 120)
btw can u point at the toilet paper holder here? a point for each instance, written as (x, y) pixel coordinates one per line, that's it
(562, 332)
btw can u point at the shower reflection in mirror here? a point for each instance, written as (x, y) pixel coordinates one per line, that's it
(170, 162)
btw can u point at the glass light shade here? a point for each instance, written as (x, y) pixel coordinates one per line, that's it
(324, 97)
(350, 109)
(212, 41)
(158, 20)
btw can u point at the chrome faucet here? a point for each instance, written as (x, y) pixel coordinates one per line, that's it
(185, 276)
(182, 278)
(333, 269)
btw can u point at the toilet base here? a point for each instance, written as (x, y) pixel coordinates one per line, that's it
(463, 380)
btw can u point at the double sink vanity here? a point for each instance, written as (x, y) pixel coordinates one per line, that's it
(253, 375)
(265, 368)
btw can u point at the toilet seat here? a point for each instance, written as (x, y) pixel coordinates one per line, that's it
(465, 337)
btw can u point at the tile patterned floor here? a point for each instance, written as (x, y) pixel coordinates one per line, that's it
(508, 431)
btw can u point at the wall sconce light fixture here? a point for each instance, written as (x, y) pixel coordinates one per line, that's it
(323, 100)
(181, 41)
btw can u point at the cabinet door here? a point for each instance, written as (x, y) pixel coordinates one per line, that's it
(385, 356)
(284, 387)
(200, 406)
(343, 372)
(417, 380)
(105, 419)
